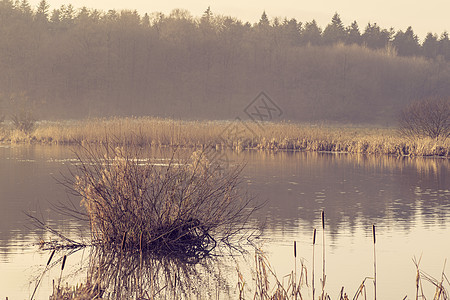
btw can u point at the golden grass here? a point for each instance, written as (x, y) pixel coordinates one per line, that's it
(80, 292)
(236, 135)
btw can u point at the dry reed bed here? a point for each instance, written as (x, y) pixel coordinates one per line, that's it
(235, 135)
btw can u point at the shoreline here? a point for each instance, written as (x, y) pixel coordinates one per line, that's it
(229, 135)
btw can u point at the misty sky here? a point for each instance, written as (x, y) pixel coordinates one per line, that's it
(423, 16)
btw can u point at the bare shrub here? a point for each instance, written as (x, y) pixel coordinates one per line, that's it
(183, 207)
(22, 115)
(2, 130)
(427, 118)
(23, 121)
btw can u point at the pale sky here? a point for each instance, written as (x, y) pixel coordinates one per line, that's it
(423, 16)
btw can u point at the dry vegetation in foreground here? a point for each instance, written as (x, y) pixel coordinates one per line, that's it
(236, 135)
(113, 275)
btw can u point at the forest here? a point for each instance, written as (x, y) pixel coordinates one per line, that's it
(69, 63)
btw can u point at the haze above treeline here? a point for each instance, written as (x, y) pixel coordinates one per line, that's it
(78, 62)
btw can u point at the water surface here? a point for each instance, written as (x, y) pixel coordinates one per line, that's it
(407, 199)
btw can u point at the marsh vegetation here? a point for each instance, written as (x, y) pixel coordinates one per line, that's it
(235, 135)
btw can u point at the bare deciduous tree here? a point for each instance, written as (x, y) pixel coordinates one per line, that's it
(427, 118)
(22, 115)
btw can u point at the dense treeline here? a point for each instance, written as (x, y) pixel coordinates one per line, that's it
(69, 62)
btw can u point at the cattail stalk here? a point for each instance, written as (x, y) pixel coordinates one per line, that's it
(295, 270)
(374, 264)
(323, 253)
(62, 269)
(314, 243)
(46, 267)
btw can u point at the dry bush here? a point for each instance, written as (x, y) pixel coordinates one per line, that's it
(22, 115)
(23, 121)
(3, 132)
(427, 118)
(183, 207)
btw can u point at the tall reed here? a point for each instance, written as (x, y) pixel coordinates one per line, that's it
(294, 291)
(42, 275)
(62, 269)
(313, 263)
(418, 281)
(323, 255)
(374, 263)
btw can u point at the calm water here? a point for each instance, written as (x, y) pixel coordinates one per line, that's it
(407, 199)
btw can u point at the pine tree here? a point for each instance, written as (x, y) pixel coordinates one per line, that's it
(146, 21)
(430, 46)
(264, 21)
(444, 45)
(406, 43)
(375, 37)
(353, 34)
(312, 34)
(25, 8)
(335, 31)
(207, 16)
(55, 18)
(291, 31)
(42, 11)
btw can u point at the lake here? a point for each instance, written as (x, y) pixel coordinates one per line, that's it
(408, 199)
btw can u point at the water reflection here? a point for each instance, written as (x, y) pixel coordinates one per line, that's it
(355, 191)
(407, 198)
(126, 275)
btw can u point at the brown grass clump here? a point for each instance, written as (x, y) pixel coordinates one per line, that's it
(79, 292)
(288, 288)
(441, 285)
(182, 207)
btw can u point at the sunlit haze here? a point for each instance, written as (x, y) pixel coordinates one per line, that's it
(423, 16)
